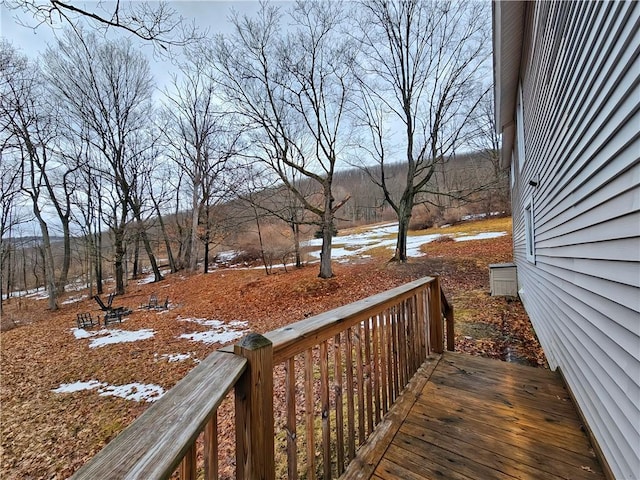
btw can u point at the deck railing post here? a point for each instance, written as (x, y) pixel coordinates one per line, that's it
(436, 328)
(450, 333)
(254, 410)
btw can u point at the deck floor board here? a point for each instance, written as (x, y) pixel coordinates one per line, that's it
(471, 417)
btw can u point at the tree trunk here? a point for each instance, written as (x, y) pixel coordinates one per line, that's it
(296, 242)
(165, 237)
(119, 260)
(262, 252)
(136, 257)
(404, 218)
(49, 264)
(157, 276)
(97, 252)
(327, 235)
(66, 258)
(195, 216)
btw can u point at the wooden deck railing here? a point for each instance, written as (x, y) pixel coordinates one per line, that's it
(306, 396)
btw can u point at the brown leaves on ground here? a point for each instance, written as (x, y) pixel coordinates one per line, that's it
(50, 435)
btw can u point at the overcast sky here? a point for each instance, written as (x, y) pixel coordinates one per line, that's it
(32, 39)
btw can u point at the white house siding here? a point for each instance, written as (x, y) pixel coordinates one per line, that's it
(580, 80)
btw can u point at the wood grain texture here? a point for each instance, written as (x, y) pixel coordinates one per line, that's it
(154, 445)
(470, 417)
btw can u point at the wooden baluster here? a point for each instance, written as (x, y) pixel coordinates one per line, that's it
(292, 441)
(435, 317)
(422, 323)
(451, 345)
(360, 381)
(368, 375)
(309, 415)
(254, 410)
(337, 379)
(415, 335)
(188, 464)
(211, 448)
(396, 356)
(402, 346)
(351, 428)
(384, 338)
(376, 367)
(324, 398)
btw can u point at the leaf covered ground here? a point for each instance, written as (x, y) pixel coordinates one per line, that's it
(50, 435)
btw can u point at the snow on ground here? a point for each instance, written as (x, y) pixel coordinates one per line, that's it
(345, 247)
(219, 331)
(79, 298)
(139, 392)
(480, 236)
(176, 357)
(111, 336)
(151, 277)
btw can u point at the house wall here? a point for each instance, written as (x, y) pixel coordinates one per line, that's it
(580, 120)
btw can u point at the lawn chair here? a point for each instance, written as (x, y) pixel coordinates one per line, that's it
(85, 320)
(155, 305)
(112, 314)
(153, 302)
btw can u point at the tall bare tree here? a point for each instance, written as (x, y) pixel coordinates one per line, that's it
(106, 87)
(201, 144)
(420, 84)
(33, 124)
(291, 86)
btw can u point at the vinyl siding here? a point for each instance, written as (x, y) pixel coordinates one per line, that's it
(580, 83)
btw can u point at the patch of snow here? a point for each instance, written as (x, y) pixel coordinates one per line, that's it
(475, 216)
(74, 299)
(38, 294)
(138, 392)
(147, 392)
(77, 386)
(111, 336)
(176, 357)
(480, 236)
(204, 321)
(358, 244)
(211, 337)
(151, 277)
(121, 336)
(220, 332)
(82, 333)
(227, 255)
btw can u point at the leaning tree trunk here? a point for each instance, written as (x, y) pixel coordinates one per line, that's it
(50, 273)
(165, 237)
(66, 258)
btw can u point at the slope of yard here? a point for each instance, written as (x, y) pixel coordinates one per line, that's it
(66, 392)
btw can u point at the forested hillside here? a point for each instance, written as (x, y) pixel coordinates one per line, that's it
(279, 131)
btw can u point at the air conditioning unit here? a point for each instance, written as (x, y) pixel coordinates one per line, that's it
(503, 280)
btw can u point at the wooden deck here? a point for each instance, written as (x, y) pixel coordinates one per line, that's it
(465, 417)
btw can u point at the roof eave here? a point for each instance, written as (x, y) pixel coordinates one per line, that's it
(508, 28)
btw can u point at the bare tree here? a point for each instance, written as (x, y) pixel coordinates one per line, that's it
(201, 143)
(292, 89)
(151, 21)
(32, 123)
(106, 87)
(419, 88)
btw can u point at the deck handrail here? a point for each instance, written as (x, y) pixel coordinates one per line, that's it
(354, 362)
(155, 444)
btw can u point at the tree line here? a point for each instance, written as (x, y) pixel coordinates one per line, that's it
(266, 117)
